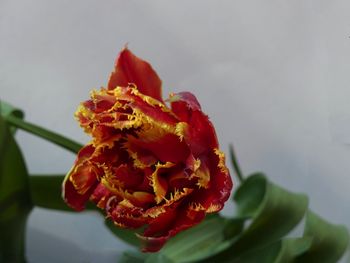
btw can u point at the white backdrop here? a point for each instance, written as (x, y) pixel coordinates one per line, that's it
(273, 76)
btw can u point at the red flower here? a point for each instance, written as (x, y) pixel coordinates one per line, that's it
(148, 163)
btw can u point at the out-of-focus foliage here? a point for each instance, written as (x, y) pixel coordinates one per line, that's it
(15, 203)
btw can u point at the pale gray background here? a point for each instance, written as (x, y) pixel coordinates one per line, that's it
(273, 76)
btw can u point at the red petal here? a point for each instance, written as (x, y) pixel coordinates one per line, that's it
(125, 214)
(128, 176)
(213, 198)
(109, 112)
(81, 181)
(182, 102)
(100, 196)
(141, 199)
(167, 148)
(152, 244)
(168, 225)
(131, 69)
(200, 134)
(160, 184)
(73, 198)
(161, 224)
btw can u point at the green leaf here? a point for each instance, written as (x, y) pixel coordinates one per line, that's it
(196, 243)
(8, 110)
(274, 212)
(127, 235)
(44, 133)
(46, 192)
(329, 241)
(278, 213)
(159, 258)
(291, 248)
(250, 195)
(233, 227)
(15, 202)
(132, 257)
(282, 251)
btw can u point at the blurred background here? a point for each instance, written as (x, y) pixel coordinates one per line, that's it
(272, 75)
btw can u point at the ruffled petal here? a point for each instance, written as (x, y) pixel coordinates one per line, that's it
(131, 69)
(166, 148)
(81, 181)
(159, 184)
(110, 113)
(212, 199)
(72, 197)
(100, 196)
(168, 225)
(124, 213)
(199, 134)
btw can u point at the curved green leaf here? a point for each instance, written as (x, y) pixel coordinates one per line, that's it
(279, 212)
(291, 248)
(274, 212)
(199, 242)
(160, 258)
(15, 203)
(329, 241)
(46, 192)
(8, 110)
(282, 251)
(132, 257)
(127, 235)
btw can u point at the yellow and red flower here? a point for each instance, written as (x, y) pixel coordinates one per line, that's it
(150, 162)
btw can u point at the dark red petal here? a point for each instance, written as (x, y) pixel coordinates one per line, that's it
(100, 103)
(200, 134)
(167, 148)
(152, 244)
(71, 196)
(131, 69)
(141, 199)
(124, 214)
(112, 112)
(128, 176)
(213, 198)
(85, 153)
(146, 184)
(81, 181)
(168, 225)
(161, 224)
(179, 179)
(182, 103)
(160, 184)
(100, 196)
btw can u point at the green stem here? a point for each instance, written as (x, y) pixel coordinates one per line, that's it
(44, 133)
(235, 164)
